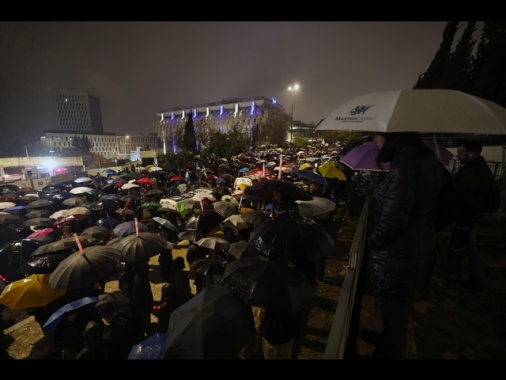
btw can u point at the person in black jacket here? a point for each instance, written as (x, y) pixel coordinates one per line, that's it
(403, 241)
(473, 180)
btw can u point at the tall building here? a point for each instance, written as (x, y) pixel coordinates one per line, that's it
(78, 112)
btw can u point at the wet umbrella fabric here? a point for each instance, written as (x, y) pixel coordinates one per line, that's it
(213, 324)
(116, 307)
(166, 223)
(269, 284)
(139, 247)
(256, 217)
(297, 239)
(311, 176)
(64, 246)
(14, 254)
(47, 222)
(84, 268)
(75, 202)
(108, 222)
(205, 221)
(264, 190)
(38, 213)
(225, 208)
(41, 264)
(54, 319)
(128, 228)
(29, 292)
(96, 232)
(235, 222)
(11, 219)
(41, 203)
(244, 249)
(150, 348)
(214, 242)
(191, 236)
(316, 206)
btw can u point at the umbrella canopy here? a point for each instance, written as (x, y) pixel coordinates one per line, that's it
(55, 318)
(213, 324)
(316, 206)
(225, 208)
(128, 186)
(297, 239)
(205, 221)
(32, 291)
(129, 228)
(6, 218)
(6, 205)
(139, 247)
(45, 232)
(82, 268)
(97, 232)
(166, 223)
(116, 307)
(242, 248)
(235, 222)
(41, 203)
(109, 172)
(41, 264)
(213, 242)
(330, 170)
(38, 213)
(150, 348)
(64, 246)
(71, 211)
(145, 181)
(311, 176)
(269, 284)
(418, 110)
(75, 202)
(264, 190)
(363, 157)
(256, 217)
(83, 179)
(191, 236)
(81, 190)
(47, 222)
(14, 254)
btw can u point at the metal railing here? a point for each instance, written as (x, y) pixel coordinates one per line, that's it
(343, 333)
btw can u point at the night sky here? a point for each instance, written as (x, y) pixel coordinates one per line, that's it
(138, 69)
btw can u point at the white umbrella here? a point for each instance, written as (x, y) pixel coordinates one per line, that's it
(316, 206)
(155, 169)
(127, 186)
(81, 190)
(83, 179)
(4, 205)
(418, 110)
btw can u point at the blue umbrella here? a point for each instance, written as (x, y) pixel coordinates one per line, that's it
(151, 348)
(311, 175)
(109, 172)
(16, 209)
(56, 317)
(244, 170)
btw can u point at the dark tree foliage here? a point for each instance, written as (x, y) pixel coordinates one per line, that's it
(459, 72)
(435, 75)
(82, 144)
(189, 141)
(231, 143)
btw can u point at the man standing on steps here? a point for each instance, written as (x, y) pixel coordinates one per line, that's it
(473, 180)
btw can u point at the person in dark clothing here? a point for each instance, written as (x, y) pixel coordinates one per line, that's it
(473, 180)
(142, 294)
(169, 302)
(94, 346)
(181, 281)
(194, 253)
(166, 262)
(403, 240)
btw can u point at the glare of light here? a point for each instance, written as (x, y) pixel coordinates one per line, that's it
(274, 101)
(161, 117)
(207, 112)
(221, 110)
(236, 109)
(172, 116)
(50, 164)
(194, 112)
(253, 108)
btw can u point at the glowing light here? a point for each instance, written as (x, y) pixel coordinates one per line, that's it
(252, 108)
(161, 117)
(172, 116)
(207, 112)
(194, 112)
(236, 109)
(221, 110)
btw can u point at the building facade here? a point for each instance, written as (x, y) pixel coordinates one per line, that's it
(78, 112)
(243, 113)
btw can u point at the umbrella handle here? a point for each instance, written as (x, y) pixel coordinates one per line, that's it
(136, 226)
(79, 243)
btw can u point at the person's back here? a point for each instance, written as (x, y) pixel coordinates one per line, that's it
(94, 343)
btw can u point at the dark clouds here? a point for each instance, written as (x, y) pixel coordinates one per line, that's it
(140, 68)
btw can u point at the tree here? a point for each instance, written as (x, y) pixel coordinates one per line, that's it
(189, 141)
(460, 66)
(231, 143)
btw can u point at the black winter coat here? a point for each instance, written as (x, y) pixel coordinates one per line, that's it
(403, 241)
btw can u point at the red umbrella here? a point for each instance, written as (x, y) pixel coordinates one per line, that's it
(145, 181)
(176, 178)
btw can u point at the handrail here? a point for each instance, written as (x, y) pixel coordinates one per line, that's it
(340, 339)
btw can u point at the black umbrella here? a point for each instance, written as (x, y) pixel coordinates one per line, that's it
(191, 236)
(225, 208)
(205, 221)
(41, 203)
(128, 228)
(166, 223)
(108, 222)
(82, 268)
(269, 284)
(256, 217)
(264, 190)
(41, 264)
(6, 218)
(311, 176)
(139, 247)
(292, 238)
(116, 307)
(38, 213)
(213, 324)
(64, 246)
(43, 221)
(14, 254)
(76, 201)
(103, 204)
(97, 232)
(243, 249)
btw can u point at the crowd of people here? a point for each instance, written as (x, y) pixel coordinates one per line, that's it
(403, 244)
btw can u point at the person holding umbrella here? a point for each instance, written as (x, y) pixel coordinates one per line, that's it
(403, 241)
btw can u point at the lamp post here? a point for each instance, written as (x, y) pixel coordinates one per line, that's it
(292, 89)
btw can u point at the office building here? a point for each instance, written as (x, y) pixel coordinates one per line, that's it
(78, 112)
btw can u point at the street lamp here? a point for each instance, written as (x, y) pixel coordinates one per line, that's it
(292, 89)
